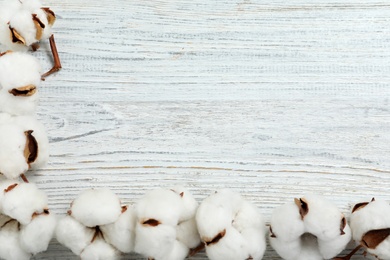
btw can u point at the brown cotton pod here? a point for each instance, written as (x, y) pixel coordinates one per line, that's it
(51, 17)
(25, 91)
(16, 37)
(303, 207)
(31, 147)
(151, 222)
(39, 26)
(215, 240)
(373, 238)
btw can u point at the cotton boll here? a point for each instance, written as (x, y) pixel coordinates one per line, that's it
(20, 77)
(375, 215)
(187, 233)
(96, 207)
(156, 242)
(162, 205)
(21, 21)
(231, 246)
(99, 250)
(382, 251)
(12, 143)
(121, 233)
(35, 236)
(331, 248)
(23, 201)
(70, 233)
(286, 223)
(9, 242)
(323, 218)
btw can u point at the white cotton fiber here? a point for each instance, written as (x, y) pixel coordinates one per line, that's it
(231, 247)
(332, 247)
(162, 205)
(18, 70)
(99, 250)
(375, 215)
(156, 242)
(212, 218)
(288, 250)
(5, 185)
(178, 252)
(323, 218)
(190, 205)
(23, 201)
(96, 207)
(73, 235)
(9, 243)
(12, 143)
(121, 233)
(35, 236)
(22, 22)
(187, 233)
(309, 249)
(250, 224)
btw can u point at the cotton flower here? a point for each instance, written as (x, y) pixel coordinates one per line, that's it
(23, 24)
(97, 226)
(310, 228)
(165, 224)
(24, 145)
(20, 77)
(26, 225)
(370, 224)
(230, 227)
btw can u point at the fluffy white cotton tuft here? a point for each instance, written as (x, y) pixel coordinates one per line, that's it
(70, 233)
(333, 247)
(231, 227)
(154, 241)
(121, 233)
(99, 250)
(190, 205)
(323, 218)
(19, 71)
(96, 207)
(23, 201)
(187, 233)
(12, 143)
(162, 205)
(36, 236)
(9, 242)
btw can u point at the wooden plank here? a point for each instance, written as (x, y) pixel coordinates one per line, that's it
(273, 99)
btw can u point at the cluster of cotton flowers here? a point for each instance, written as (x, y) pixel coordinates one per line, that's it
(231, 227)
(97, 226)
(23, 140)
(23, 24)
(309, 228)
(370, 224)
(26, 225)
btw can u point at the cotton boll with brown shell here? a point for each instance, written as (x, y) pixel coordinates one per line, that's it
(370, 224)
(20, 78)
(231, 227)
(24, 145)
(22, 201)
(309, 228)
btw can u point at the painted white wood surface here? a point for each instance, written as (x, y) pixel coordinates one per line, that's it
(273, 99)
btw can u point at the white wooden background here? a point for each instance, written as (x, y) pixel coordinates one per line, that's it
(273, 99)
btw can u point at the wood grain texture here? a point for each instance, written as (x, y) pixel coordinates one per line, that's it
(273, 99)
